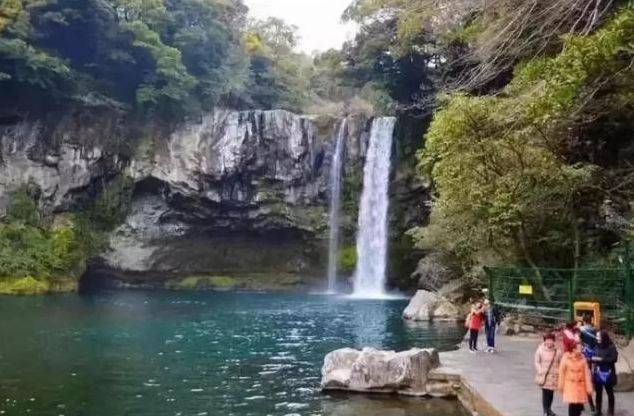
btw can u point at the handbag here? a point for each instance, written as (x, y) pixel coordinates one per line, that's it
(602, 378)
(467, 322)
(541, 379)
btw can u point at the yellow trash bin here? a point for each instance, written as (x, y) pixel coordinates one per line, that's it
(593, 309)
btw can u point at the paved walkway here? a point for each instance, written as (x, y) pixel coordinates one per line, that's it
(506, 379)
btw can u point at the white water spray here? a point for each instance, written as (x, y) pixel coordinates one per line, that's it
(335, 205)
(369, 280)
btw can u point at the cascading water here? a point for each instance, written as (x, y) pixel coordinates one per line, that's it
(335, 205)
(369, 280)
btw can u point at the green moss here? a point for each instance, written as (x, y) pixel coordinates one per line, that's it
(258, 281)
(188, 283)
(347, 258)
(25, 286)
(221, 281)
(204, 282)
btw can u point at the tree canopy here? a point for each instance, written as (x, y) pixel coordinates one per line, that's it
(523, 175)
(148, 56)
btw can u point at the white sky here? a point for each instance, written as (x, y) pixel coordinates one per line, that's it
(319, 21)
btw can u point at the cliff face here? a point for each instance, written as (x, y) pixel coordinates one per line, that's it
(59, 172)
(238, 192)
(234, 193)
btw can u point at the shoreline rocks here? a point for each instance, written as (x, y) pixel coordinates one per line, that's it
(375, 371)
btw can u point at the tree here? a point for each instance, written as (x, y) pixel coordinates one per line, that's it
(512, 183)
(279, 77)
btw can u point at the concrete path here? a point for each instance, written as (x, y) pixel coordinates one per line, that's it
(505, 380)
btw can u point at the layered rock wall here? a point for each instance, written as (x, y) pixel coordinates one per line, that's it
(231, 193)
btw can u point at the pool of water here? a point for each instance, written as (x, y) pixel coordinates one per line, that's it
(166, 353)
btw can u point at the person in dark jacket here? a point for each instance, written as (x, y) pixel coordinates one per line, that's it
(588, 338)
(604, 375)
(491, 322)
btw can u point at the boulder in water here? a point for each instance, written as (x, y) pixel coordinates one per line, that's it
(429, 306)
(371, 370)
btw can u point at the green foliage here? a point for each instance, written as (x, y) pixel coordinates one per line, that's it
(348, 259)
(170, 57)
(41, 253)
(201, 282)
(55, 255)
(24, 286)
(279, 77)
(171, 82)
(23, 208)
(111, 206)
(506, 189)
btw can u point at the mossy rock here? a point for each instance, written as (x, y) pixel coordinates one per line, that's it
(204, 283)
(257, 282)
(24, 286)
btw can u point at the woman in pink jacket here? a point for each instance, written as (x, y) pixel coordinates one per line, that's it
(547, 358)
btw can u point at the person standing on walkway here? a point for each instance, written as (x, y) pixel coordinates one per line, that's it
(547, 359)
(474, 324)
(491, 322)
(604, 376)
(588, 338)
(570, 336)
(575, 381)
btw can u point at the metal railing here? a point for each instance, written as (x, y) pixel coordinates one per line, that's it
(550, 293)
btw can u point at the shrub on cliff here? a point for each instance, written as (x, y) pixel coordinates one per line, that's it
(27, 251)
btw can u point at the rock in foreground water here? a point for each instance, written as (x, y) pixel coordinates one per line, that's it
(371, 370)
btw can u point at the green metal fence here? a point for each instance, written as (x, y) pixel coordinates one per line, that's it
(549, 293)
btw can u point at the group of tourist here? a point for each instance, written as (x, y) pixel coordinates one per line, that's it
(582, 364)
(578, 366)
(482, 313)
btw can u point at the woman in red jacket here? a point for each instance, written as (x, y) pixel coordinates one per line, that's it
(474, 324)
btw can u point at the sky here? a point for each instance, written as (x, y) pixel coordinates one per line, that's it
(319, 21)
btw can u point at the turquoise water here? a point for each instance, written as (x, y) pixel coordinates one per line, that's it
(163, 353)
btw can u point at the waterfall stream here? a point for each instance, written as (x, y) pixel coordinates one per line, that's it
(335, 205)
(369, 279)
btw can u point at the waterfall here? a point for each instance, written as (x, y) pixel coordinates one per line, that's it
(335, 205)
(369, 281)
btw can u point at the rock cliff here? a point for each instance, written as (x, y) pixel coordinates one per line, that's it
(235, 192)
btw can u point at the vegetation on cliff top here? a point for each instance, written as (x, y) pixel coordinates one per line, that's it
(174, 58)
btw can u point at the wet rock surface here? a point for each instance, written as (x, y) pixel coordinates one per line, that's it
(372, 370)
